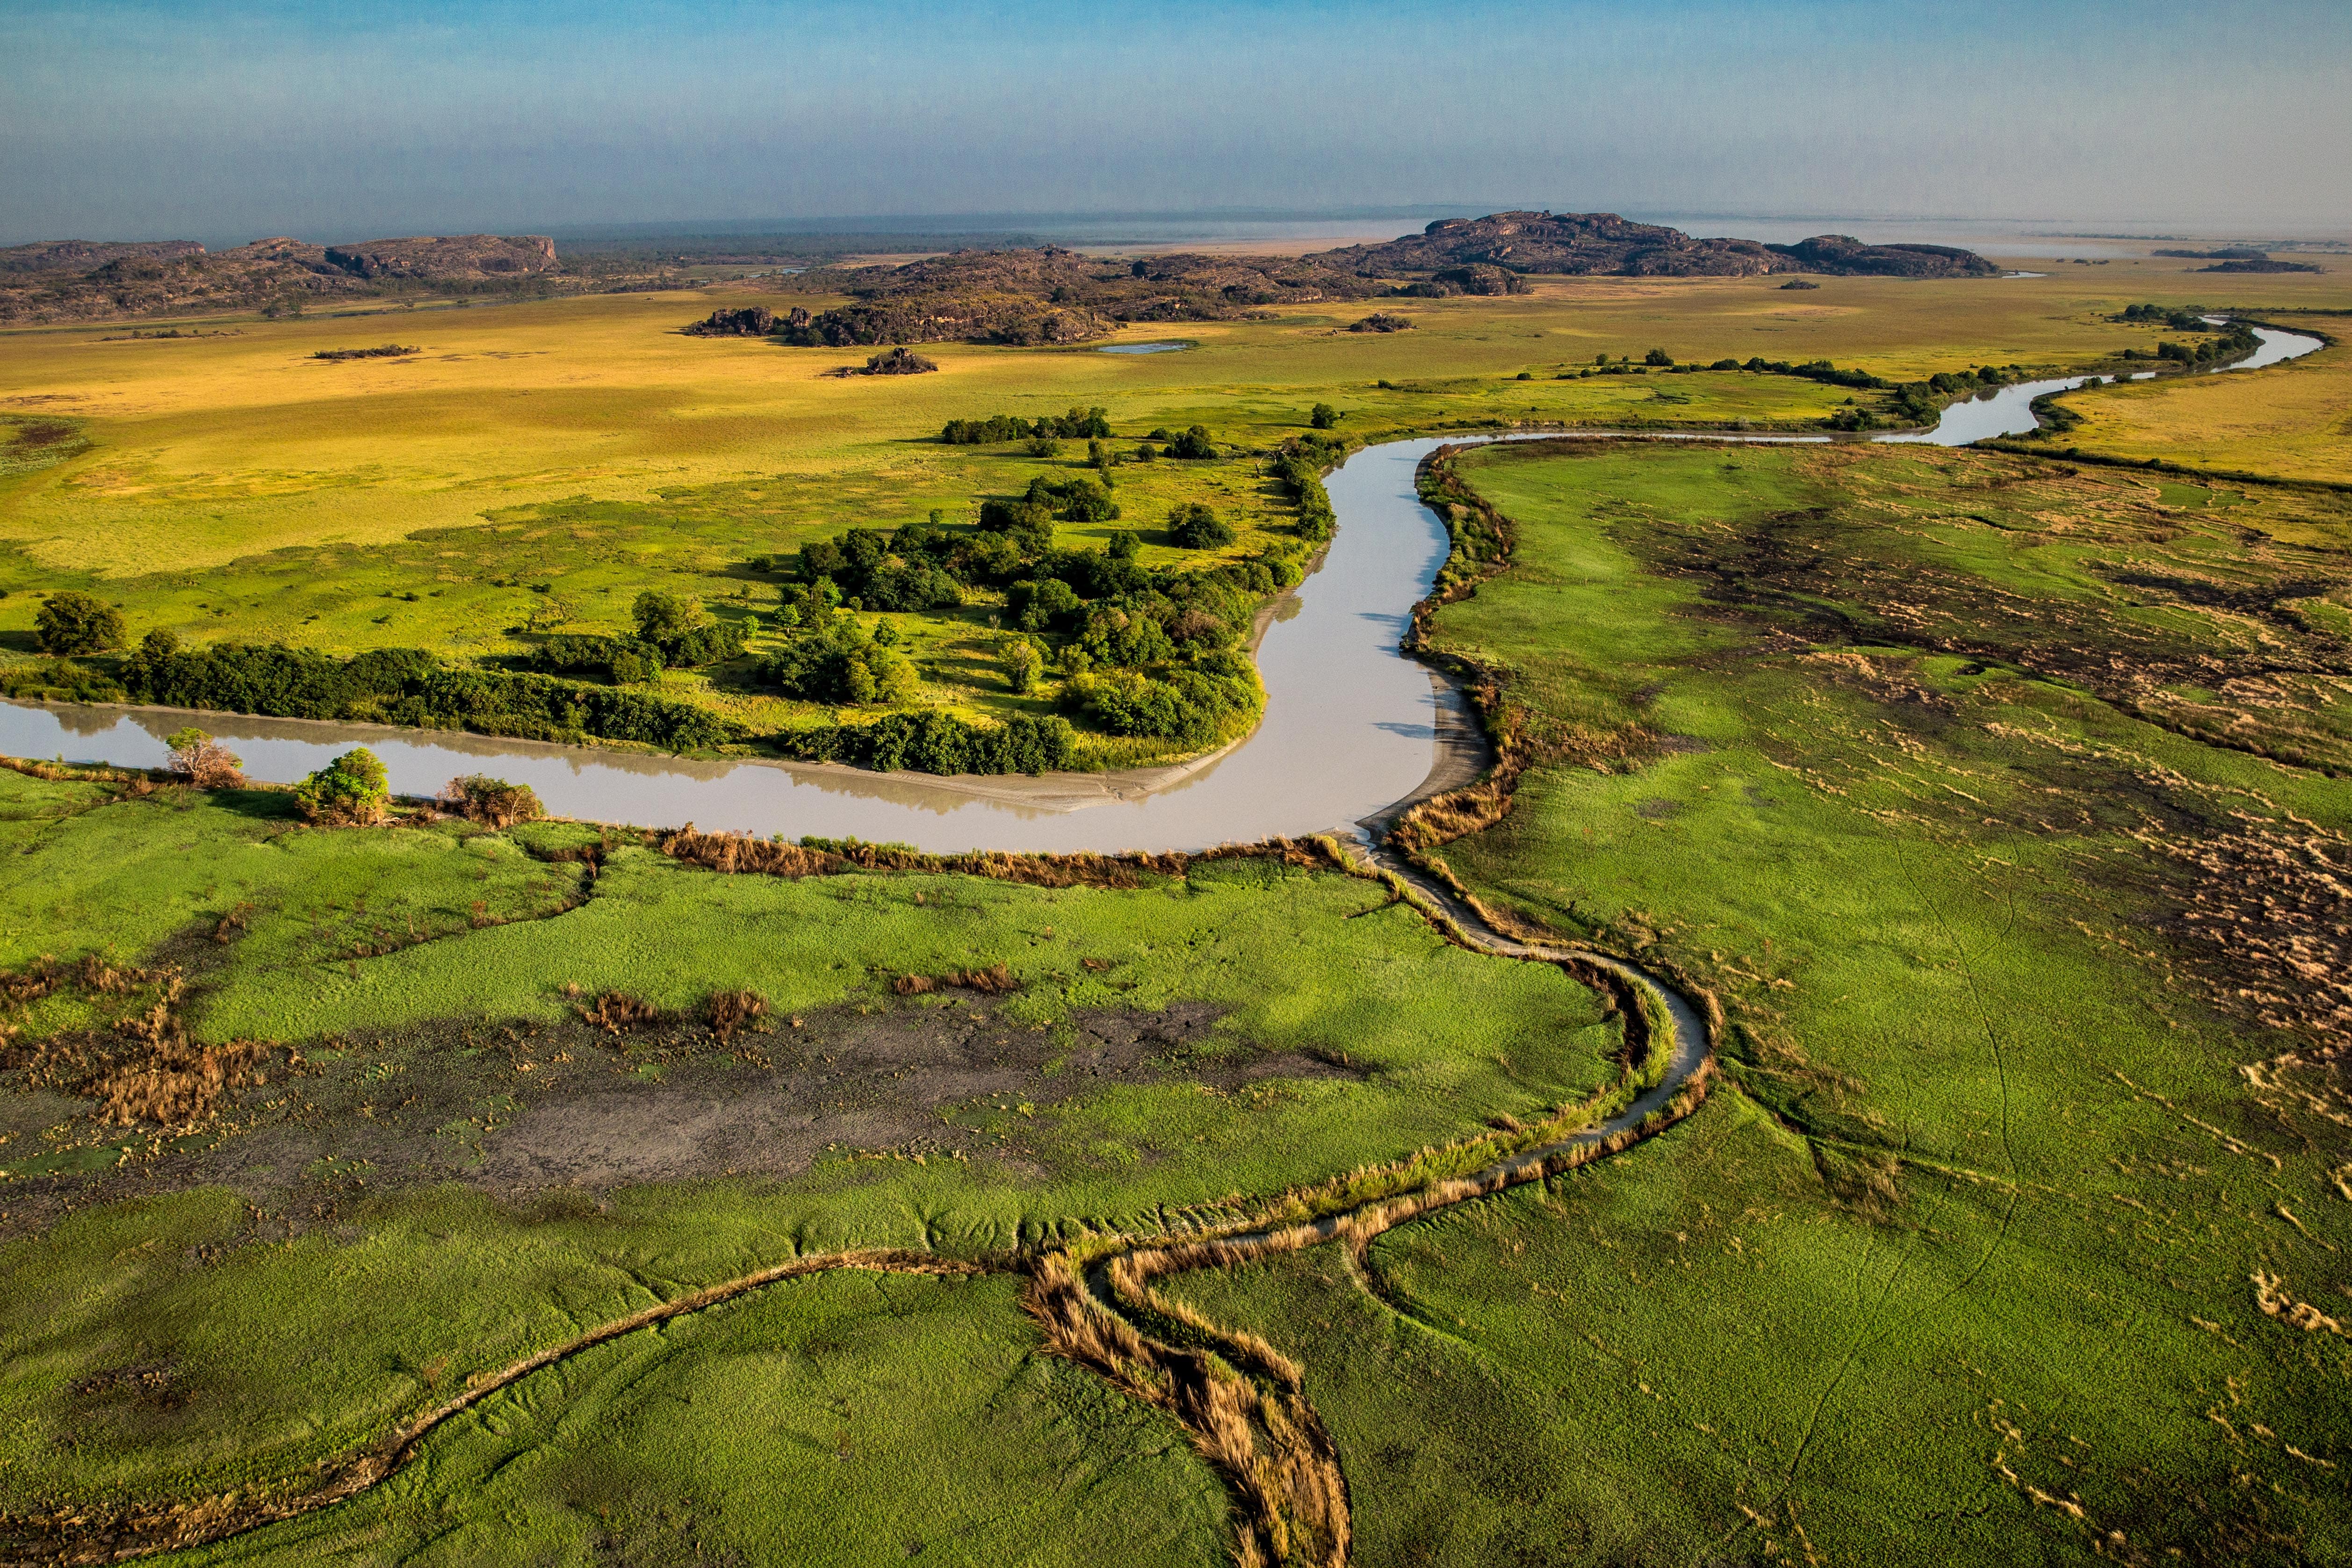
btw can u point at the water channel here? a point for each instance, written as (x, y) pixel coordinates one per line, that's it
(1351, 725)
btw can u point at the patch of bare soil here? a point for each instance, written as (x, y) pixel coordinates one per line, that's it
(610, 1098)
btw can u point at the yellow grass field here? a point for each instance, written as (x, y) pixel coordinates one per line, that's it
(567, 453)
(2291, 421)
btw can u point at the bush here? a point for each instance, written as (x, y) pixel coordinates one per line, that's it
(349, 792)
(203, 761)
(1324, 417)
(70, 623)
(935, 742)
(478, 797)
(1194, 527)
(1657, 356)
(1194, 443)
(408, 686)
(58, 681)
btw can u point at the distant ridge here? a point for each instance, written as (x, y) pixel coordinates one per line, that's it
(1585, 244)
(79, 280)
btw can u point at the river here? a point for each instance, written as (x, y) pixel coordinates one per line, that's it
(1351, 727)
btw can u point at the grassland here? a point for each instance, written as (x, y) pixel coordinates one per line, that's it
(2293, 425)
(2000, 801)
(1991, 1250)
(538, 464)
(224, 1306)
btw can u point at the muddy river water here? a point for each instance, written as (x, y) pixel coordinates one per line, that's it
(1351, 725)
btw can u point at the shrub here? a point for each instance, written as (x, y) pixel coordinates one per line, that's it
(1324, 417)
(58, 681)
(203, 761)
(478, 797)
(1194, 527)
(351, 791)
(70, 623)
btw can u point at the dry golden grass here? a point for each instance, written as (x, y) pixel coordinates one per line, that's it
(2290, 421)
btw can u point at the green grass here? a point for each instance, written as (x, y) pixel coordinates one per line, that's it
(290, 1345)
(1977, 1215)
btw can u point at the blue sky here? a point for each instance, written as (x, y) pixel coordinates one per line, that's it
(228, 118)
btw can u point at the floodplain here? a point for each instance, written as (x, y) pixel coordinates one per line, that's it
(1991, 802)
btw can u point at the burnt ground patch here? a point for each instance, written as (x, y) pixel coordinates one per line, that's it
(519, 1108)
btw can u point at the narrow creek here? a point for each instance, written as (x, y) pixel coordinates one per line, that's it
(1351, 727)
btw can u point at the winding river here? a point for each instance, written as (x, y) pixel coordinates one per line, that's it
(1352, 727)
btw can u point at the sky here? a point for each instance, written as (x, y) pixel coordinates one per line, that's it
(227, 120)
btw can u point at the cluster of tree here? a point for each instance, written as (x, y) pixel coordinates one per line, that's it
(1195, 442)
(835, 659)
(69, 623)
(674, 632)
(2180, 318)
(1077, 425)
(2238, 342)
(1187, 703)
(900, 361)
(1099, 612)
(919, 567)
(1299, 465)
(935, 742)
(1819, 369)
(408, 686)
(1383, 322)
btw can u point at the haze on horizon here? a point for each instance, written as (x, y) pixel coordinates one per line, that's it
(224, 119)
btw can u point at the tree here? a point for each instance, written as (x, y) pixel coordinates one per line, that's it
(1124, 546)
(71, 623)
(1100, 457)
(203, 761)
(1195, 527)
(664, 617)
(1024, 666)
(1658, 356)
(495, 803)
(1324, 417)
(351, 791)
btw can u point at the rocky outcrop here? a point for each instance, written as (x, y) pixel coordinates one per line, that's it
(446, 258)
(1589, 243)
(1050, 295)
(278, 273)
(71, 256)
(1842, 255)
(754, 322)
